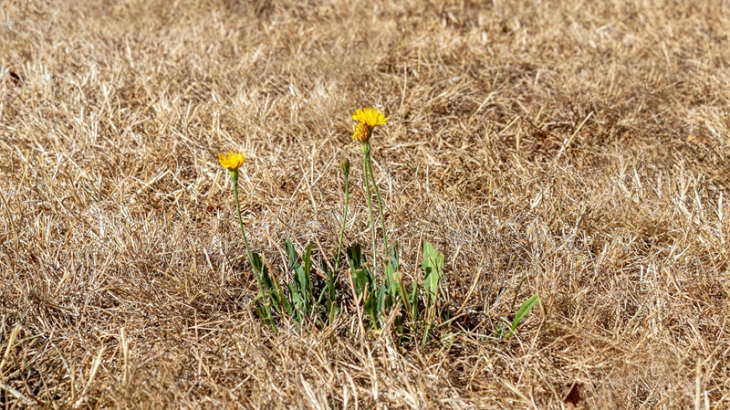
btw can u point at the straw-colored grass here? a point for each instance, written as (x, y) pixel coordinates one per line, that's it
(583, 140)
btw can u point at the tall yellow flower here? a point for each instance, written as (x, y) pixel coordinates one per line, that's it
(231, 161)
(367, 118)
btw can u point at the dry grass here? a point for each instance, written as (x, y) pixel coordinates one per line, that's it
(120, 258)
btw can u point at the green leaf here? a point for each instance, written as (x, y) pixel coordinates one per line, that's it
(523, 312)
(272, 287)
(358, 279)
(383, 299)
(394, 255)
(256, 262)
(292, 254)
(414, 301)
(355, 256)
(361, 275)
(281, 297)
(371, 307)
(301, 286)
(391, 269)
(330, 283)
(433, 264)
(307, 272)
(297, 301)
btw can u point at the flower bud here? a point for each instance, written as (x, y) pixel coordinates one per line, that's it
(345, 167)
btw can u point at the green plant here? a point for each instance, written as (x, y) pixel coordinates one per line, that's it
(380, 295)
(380, 301)
(232, 161)
(300, 287)
(369, 118)
(522, 313)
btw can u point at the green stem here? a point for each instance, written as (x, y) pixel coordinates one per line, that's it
(380, 205)
(370, 208)
(344, 223)
(240, 224)
(331, 284)
(267, 309)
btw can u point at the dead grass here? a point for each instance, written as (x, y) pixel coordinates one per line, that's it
(121, 262)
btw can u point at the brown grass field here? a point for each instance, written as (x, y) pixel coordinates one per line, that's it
(584, 141)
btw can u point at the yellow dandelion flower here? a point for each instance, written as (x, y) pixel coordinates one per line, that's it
(231, 161)
(370, 117)
(367, 118)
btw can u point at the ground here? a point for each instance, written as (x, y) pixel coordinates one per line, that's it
(573, 150)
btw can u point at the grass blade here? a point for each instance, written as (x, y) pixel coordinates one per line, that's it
(523, 312)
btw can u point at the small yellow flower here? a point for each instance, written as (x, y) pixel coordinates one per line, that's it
(231, 161)
(370, 117)
(367, 118)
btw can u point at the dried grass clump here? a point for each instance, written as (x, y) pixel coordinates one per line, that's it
(584, 141)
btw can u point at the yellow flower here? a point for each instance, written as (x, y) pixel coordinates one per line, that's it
(367, 118)
(370, 117)
(231, 161)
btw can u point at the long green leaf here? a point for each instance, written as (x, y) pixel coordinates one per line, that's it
(266, 279)
(301, 287)
(371, 307)
(297, 302)
(523, 312)
(433, 265)
(271, 291)
(307, 280)
(391, 269)
(362, 277)
(292, 254)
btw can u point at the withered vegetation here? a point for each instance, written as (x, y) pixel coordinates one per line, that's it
(582, 140)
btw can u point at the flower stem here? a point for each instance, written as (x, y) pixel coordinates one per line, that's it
(380, 206)
(256, 273)
(344, 222)
(331, 284)
(370, 209)
(240, 224)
